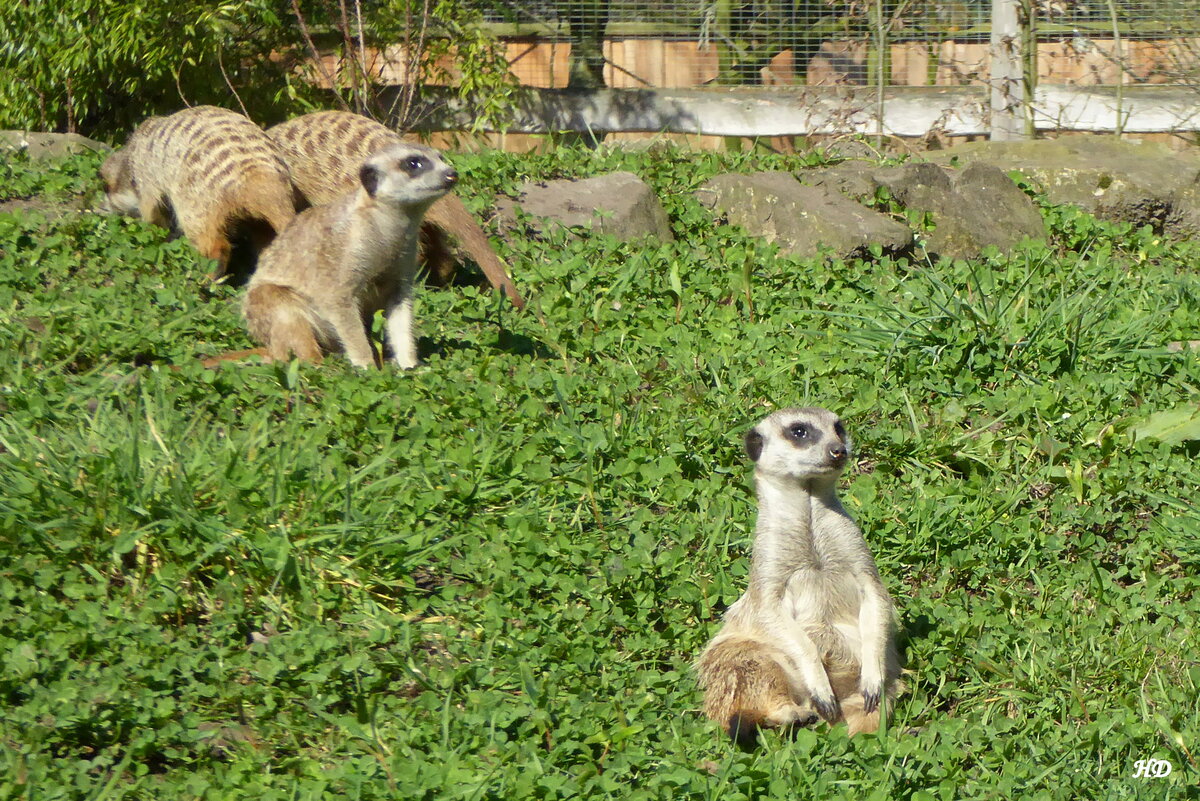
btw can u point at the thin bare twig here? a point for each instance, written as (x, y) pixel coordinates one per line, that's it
(356, 91)
(316, 55)
(414, 51)
(362, 40)
(225, 75)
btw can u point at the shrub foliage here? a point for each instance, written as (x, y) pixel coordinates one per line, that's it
(100, 66)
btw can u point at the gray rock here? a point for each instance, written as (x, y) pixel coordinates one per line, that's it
(915, 180)
(801, 219)
(618, 204)
(970, 209)
(48, 145)
(1143, 183)
(1183, 219)
(855, 179)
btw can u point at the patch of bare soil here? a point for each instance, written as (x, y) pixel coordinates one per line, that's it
(51, 208)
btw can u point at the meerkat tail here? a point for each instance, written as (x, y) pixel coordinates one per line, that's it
(280, 318)
(236, 356)
(449, 214)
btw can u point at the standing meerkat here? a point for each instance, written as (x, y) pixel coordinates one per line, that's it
(320, 282)
(813, 634)
(323, 151)
(212, 174)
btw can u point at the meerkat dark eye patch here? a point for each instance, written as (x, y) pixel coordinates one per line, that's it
(799, 433)
(754, 444)
(416, 164)
(369, 176)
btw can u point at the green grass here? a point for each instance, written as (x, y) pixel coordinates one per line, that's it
(488, 578)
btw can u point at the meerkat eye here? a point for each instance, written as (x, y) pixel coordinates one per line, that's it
(798, 431)
(415, 163)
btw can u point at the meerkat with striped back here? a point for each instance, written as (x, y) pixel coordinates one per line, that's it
(321, 281)
(209, 173)
(812, 637)
(323, 151)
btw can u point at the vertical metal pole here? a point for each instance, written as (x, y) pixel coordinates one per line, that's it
(879, 67)
(1007, 71)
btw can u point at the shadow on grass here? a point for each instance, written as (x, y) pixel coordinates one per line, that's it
(506, 342)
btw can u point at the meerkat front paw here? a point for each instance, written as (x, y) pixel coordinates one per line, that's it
(870, 684)
(828, 707)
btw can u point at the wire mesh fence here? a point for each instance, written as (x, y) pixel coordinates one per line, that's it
(684, 43)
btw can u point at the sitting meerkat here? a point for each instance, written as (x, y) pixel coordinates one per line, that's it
(320, 282)
(210, 173)
(813, 633)
(323, 151)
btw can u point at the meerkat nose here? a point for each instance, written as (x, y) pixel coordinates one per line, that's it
(452, 178)
(838, 452)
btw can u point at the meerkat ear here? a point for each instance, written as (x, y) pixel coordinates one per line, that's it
(370, 178)
(754, 444)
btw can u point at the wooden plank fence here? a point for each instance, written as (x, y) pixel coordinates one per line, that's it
(667, 64)
(937, 87)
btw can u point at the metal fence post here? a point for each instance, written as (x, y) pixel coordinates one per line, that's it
(1007, 72)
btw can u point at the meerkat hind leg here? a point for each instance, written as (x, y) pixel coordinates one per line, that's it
(278, 319)
(436, 256)
(247, 239)
(858, 720)
(292, 336)
(746, 687)
(347, 323)
(212, 245)
(861, 711)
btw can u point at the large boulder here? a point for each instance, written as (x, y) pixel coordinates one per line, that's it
(802, 220)
(618, 204)
(970, 209)
(1143, 183)
(48, 145)
(855, 179)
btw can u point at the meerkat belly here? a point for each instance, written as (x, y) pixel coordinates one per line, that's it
(381, 250)
(825, 604)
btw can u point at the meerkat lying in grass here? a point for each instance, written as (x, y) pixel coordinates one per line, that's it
(321, 281)
(210, 173)
(323, 151)
(813, 633)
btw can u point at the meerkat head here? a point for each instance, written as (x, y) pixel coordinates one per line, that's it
(407, 175)
(120, 187)
(799, 444)
(120, 194)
